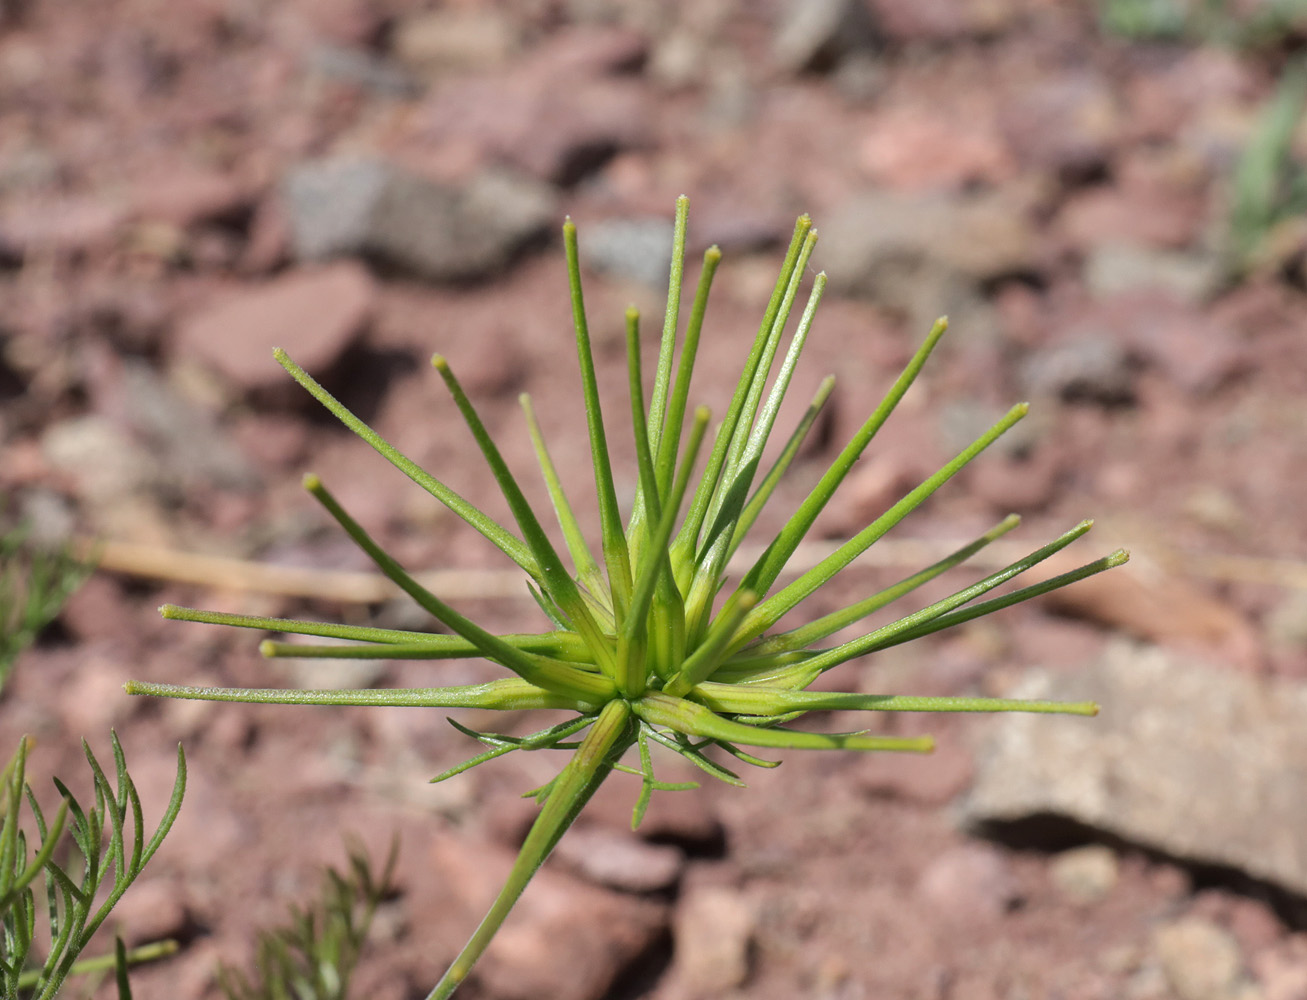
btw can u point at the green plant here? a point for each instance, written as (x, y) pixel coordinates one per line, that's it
(73, 911)
(1246, 26)
(313, 957)
(1269, 187)
(651, 644)
(34, 585)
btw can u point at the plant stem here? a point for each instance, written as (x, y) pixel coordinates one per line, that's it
(606, 741)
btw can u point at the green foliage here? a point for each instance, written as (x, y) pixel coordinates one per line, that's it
(34, 586)
(314, 955)
(108, 851)
(1270, 186)
(652, 641)
(1142, 20)
(1260, 25)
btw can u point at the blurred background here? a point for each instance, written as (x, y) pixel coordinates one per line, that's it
(1106, 198)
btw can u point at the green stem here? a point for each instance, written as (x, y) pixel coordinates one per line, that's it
(135, 956)
(590, 765)
(507, 694)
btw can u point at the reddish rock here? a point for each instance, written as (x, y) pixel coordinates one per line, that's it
(268, 246)
(548, 117)
(592, 50)
(916, 148)
(98, 609)
(348, 22)
(1282, 970)
(1192, 346)
(314, 313)
(907, 21)
(686, 818)
(968, 885)
(61, 225)
(1157, 200)
(619, 859)
(566, 939)
(714, 930)
(932, 779)
(183, 196)
(1150, 604)
(1068, 124)
(1116, 214)
(152, 910)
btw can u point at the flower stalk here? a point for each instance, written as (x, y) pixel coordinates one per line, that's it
(650, 642)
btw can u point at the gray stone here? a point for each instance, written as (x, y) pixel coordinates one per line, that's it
(1087, 367)
(815, 34)
(1204, 764)
(367, 207)
(927, 255)
(1115, 269)
(49, 517)
(363, 69)
(187, 438)
(963, 419)
(107, 464)
(638, 249)
(982, 237)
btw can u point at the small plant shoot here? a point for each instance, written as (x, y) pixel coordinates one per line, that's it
(652, 641)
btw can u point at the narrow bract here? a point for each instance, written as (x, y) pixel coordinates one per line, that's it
(651, 641)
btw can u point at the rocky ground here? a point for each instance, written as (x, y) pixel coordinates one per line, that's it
(362, 182)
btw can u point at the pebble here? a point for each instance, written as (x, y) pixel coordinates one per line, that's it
(914, 147)
(1018, 484)
(687, 819)
(557, 116)
(968, 885)
(638, 249)
(620, 860)
(364, 69)
(1067, 125)
(106, 464)
(1118, 268)
(911, 21)
(187, 438)
(445, 41)
(314, 313)
(68, 224)
(1286, 623)
(1085, 875)
(878, 240)
(183, 195)
(440, 232)
(818, 34)
(933, 779)
(1281, 972)
(712, 932)
(566, 940)
(1090, 368)
(1200, 960)
(151, 910)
